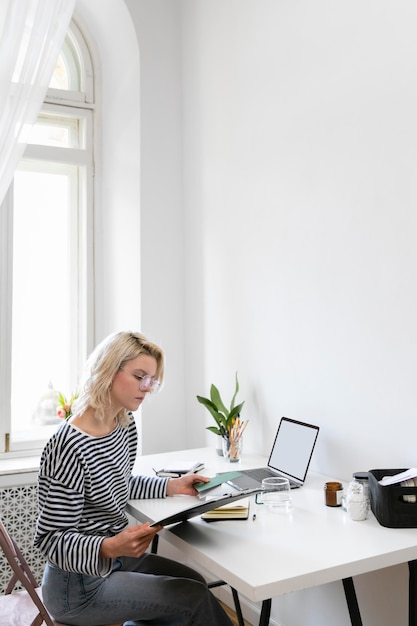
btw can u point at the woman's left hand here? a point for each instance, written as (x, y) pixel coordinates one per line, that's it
(185, 484)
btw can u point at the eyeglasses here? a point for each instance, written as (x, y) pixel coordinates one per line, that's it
(147, 383)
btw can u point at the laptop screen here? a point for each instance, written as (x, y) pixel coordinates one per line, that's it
(293, 448)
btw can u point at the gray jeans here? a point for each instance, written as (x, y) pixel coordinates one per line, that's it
(151, 590)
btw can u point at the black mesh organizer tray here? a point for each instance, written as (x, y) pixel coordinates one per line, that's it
(388, 504)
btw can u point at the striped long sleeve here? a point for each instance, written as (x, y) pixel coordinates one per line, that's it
(84, 484)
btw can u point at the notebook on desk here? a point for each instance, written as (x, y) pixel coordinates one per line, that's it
(290, 456)
(203, 507)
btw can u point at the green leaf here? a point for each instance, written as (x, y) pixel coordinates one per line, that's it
(232, 404)
(206, 402)
(215, 405)
(214, 430)
(236, 410)
(211, 407)
(217, 401)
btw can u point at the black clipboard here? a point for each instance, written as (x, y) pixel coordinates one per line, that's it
(202, 507)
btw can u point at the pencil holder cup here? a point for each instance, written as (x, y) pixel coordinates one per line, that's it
(232, 449)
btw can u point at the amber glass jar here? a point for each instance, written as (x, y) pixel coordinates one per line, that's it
(333, 493)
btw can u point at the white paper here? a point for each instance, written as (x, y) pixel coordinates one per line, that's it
(398, 478)
(183, 467)
(217, 492)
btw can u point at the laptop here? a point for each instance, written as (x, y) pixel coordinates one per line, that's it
(290, 456)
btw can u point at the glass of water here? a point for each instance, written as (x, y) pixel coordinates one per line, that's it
(276, 494)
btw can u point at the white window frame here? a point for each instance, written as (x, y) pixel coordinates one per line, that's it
(75, 41)
(61, 104)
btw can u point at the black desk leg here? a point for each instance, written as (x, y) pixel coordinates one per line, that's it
(352, 602)
(238, 608)
(265, 612)
(412, 596)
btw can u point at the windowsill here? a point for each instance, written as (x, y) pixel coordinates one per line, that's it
(19, 465)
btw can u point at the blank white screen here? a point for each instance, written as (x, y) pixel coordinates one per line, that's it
(293, 448)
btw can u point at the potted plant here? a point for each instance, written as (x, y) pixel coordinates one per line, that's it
(224, 417)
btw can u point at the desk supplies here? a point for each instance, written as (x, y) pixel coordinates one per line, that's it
(333, 493)
(180, 468)
(233, 511)
(232, 443)
(276, 494)
(392, 504)
(363, 479)
(202, 507)
(392, 479)
(316, 544)
(357, 501)
(216, 481)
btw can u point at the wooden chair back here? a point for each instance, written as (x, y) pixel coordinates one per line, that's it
(23, 607)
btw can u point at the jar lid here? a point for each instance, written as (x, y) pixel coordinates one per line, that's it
(333, 486)
(360, 475)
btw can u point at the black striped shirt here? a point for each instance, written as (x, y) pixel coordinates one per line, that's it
(84, 484)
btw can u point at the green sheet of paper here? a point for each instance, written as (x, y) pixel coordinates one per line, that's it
(215, 481)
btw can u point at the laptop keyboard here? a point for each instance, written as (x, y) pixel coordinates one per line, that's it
(259, 473)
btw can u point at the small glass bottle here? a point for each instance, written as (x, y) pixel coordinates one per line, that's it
(333, 492)
(362, 478)
(357, 501)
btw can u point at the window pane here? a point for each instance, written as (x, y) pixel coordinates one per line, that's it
(59, 132)
(47, 251)
(67, 73)
(59, 78)
(41, 322)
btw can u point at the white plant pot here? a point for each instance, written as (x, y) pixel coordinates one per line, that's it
(219, 445)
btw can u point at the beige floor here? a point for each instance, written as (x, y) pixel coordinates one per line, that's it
(232, 615)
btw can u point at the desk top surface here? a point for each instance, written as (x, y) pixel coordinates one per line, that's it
(278, 553)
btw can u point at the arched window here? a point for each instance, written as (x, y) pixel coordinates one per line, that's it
(73, 72)
(49, 263)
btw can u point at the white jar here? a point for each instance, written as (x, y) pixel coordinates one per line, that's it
(357, 501)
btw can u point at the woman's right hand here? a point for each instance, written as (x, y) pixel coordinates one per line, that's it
(132, 541)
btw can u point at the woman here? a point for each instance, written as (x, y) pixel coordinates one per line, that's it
(98, 571)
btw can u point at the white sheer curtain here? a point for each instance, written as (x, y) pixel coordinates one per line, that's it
(31, 36)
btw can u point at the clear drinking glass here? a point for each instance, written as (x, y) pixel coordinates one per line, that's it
(276, 494)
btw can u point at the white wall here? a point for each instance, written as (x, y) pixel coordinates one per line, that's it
(278, 217)
(162, 232)
(139, 202)
(300, 132)
(300, 166)
(117, 202)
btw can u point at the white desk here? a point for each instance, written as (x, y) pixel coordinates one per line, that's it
(276, 554)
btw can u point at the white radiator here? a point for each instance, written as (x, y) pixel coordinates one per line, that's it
(18, 511)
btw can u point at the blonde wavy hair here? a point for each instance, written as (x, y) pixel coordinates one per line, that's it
(104, 363)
